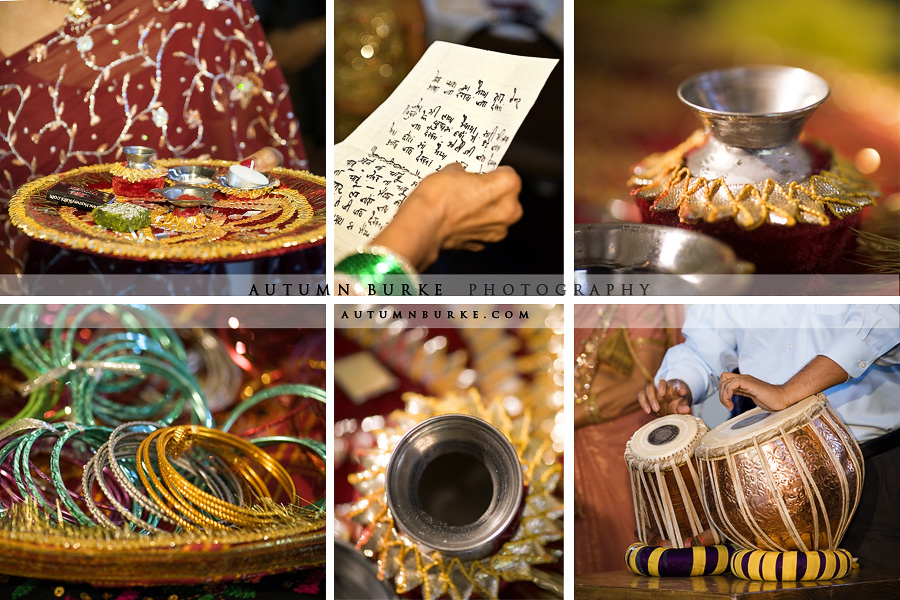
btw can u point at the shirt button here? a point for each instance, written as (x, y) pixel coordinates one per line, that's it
(790, 346)
(862, 365)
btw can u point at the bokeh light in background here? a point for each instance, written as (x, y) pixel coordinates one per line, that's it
(630, 57)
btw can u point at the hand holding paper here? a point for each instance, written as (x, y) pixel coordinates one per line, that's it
(458, 105)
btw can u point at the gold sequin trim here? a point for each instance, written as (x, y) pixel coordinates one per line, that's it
(135, 175)
(411, 567)
(664, 179)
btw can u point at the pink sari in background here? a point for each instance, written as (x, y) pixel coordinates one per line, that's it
(604, 515)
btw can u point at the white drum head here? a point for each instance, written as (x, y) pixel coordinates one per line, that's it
(760, 425)
(665, 438)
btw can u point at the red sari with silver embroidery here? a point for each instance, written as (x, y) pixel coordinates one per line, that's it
(190, 78)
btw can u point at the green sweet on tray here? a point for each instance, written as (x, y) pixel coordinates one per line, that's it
(121, 216)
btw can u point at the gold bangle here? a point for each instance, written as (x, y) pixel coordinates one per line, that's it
(152, 483)
(234, 451)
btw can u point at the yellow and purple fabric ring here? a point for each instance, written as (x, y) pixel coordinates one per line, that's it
(657, 561)
(766, 565)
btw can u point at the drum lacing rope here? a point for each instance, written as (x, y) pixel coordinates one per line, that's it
(693, 518)
(717, 539)
(845, 486)
(639, 516)
(806, 478)
(742, 502)
(855, 456)
(668, 509)
(779, 497)
(640, 476)
(727, 527)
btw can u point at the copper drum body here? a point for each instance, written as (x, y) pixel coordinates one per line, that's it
(787, 480)
(665, 483)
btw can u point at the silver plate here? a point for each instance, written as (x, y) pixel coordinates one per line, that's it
(173, 193)
(191, 174)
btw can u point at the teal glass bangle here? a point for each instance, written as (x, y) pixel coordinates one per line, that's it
(47, 347)
(93, 438)
(289, 389)
(91, 406)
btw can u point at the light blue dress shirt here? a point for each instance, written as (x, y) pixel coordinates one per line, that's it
(773, 342)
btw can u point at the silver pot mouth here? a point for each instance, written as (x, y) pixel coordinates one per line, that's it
(454, 484)
(357, 577)
(754, 107)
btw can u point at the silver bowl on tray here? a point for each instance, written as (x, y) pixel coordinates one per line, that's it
(619, 250)
(192, 174)
(201, 196)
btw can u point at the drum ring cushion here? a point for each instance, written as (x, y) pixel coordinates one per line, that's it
(657, 561)
(770, 565)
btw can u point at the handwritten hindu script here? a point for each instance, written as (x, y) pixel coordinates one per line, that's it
(458, 104)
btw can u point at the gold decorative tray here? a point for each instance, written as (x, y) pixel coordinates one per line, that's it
(286, 219)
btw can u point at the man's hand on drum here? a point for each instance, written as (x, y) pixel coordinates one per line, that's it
(765, 395)
(667, 397)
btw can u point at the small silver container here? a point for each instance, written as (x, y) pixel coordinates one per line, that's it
(454, 484)
(139, 157)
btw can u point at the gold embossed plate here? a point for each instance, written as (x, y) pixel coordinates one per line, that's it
(289, 218)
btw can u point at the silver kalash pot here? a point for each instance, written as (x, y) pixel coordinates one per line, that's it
(786, 205)
(454, 484)
(754, 116)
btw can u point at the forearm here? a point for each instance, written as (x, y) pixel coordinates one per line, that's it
(709, 348)
(817, 376)
(409, 235)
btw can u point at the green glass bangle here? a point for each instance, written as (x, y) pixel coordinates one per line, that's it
(290, 389)
(22, 468)
(37, 349)
(93, 438)
(90, 406)
(377, 265)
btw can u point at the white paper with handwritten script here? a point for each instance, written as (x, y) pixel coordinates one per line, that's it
(458, 104)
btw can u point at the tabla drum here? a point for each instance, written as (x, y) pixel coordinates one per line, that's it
(782, 481)
(665, 483)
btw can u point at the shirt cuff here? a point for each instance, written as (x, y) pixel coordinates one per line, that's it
(696, 378)
(852, 354)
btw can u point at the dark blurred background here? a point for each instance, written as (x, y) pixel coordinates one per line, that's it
(296, 31)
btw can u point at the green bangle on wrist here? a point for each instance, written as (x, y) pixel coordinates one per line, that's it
(377, 265)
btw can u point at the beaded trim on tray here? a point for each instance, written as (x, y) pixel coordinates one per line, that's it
(664, 179)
